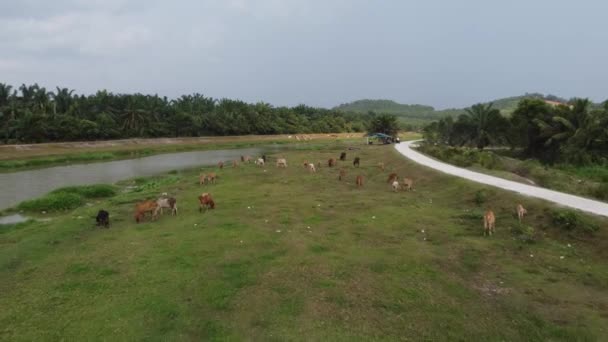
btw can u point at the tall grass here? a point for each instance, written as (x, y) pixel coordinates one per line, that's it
(67, 198)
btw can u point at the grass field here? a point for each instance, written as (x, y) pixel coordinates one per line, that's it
(289, 255)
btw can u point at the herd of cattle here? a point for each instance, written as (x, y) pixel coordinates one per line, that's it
(154, 208)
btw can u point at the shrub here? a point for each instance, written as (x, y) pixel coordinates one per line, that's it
(601, 191)
(570, 220)
(53, 201)
(480, 197)
(524, 233)
(489, 160)
(88, 191)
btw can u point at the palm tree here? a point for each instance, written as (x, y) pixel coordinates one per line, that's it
(62, 100)
(5, 94)
(485, 125)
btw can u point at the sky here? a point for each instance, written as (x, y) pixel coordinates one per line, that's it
(443, 53)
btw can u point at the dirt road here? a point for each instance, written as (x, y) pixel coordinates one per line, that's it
(576, 202)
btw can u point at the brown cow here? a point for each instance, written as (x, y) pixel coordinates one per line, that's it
(343, 156)
(521, 211)
(145, 207)
(489, 223)
(205, 202)
(408, 184)
(392, 177)
(331, 162)
(242, 159)
(359, 181)
(166, 202)
(342, 174)
(211, 177)
(220, 165)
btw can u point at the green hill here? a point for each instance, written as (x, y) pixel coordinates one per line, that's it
(416, 114)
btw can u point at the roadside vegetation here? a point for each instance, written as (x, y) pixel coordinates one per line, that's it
(562, 147)
(292, 255)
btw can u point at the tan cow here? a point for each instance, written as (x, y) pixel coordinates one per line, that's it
(331, 162)
(220, 165)
(489, 223)
(359, 181)
(521, 211)
(381, 166)
(311, 168)
(408, 184)
(235, 164)
(342, 174)
(282, 162)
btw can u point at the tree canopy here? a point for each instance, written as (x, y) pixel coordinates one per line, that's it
(31, 113)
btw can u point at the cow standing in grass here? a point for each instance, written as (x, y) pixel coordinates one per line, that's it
(166, 202)
(220, 165)
(391, 178)
(343, 156)
(356, 162)
(331, 162)
(142, 208)
(103, 218)
(342, 174)
(408, 184)
(489, 223)
(205, 202)
(359, 181)
(521, 212)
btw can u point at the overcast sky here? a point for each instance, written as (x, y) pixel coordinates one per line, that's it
(444, 53)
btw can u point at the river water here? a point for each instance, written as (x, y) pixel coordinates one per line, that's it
(19, 186)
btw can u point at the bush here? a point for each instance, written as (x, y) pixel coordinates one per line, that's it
(88, 191)
(489, 160)
(480, 197)
(570, 220)
(53, 201)
(601, 191)
(524, 233)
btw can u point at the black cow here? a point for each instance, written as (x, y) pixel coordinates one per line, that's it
(343, 156)
(356, 161)
(103, 218)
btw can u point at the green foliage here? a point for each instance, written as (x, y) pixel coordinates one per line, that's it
(68, 197)
(384, 123)
(572, 133)
(53, 202)
(89, 191)
(35, 115)
(570, 220)
(480, 197)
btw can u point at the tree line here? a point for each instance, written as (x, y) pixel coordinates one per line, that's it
(575, 132)
(32, 114)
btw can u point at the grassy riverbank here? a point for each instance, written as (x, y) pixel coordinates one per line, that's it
(289, 255)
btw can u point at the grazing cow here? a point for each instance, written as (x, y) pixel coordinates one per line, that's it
(103, 218)
(145, 207)
(356, 162)
(392, 177)
(242, 159)
(489, 223)
(281, 162)
(311, 168)
(381, 166)
(331, 162)
(359, 181)
(248, 159)
(260, 162)
(202, 179)
(211, 177)
(205, 202)
(395, 186)
(342, 174)
(220, 165)
(343, 156)
(408, 184)
(166, 202)
(521, 211)
(235, 164)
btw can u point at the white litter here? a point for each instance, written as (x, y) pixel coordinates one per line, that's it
(531, 255)
(278, 230)
(373, 217)
(561, 257)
